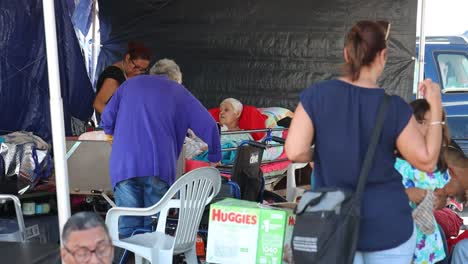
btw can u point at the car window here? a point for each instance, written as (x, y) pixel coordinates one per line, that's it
(453, 70)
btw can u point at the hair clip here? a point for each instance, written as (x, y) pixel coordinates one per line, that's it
(388, 31)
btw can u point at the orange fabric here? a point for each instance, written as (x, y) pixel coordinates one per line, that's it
(251, 118)
(200, 246)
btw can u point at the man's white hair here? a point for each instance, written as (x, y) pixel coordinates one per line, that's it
(167, 67)
(236, 104)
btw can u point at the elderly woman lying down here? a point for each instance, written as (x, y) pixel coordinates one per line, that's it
(229, 115)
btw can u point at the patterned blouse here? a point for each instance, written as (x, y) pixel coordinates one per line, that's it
(429, 248)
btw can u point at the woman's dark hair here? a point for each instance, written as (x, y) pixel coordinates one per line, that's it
(420, 108)
(363, 42)
(138, 50)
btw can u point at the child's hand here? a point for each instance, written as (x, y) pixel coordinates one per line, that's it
(430, 90)
(416, 195)
(440, 198)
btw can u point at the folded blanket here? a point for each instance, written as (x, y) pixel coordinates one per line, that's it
(228, 157)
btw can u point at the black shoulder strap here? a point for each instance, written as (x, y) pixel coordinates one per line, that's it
(369, 158)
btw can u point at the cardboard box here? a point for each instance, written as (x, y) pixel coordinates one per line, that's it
(247, 232)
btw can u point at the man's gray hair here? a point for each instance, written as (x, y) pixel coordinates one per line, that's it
(167, 67)
(83, 221)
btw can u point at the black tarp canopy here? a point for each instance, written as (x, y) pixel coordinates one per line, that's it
(262, 52)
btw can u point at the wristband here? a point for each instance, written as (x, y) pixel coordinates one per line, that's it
(437, 123)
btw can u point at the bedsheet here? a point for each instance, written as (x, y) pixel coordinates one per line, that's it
(281, 166)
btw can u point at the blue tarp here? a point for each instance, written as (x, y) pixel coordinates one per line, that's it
(112, 48)
(24, 88)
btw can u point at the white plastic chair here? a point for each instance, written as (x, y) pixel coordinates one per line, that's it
(195, 190)
(292, 192)
(19, 235)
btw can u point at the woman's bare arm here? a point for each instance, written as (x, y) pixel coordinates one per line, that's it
(422, 152)
(108, 88)
(419, 150)
(300, 136)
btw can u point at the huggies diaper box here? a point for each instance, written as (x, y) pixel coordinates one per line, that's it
(248, 232)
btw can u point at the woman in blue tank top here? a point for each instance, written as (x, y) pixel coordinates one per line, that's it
(338, 117)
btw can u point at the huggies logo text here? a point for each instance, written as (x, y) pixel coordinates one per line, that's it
(220, 216)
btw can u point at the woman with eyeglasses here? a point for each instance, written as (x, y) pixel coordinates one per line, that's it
(339, 115)
(135, 62)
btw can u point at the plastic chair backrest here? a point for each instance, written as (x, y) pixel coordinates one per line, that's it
(19, 235)
(196, 189)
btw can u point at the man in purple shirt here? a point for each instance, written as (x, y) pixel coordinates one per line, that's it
(148, 117)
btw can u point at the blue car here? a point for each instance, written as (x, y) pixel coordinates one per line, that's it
(446, 62)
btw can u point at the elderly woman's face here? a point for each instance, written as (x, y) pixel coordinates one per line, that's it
(227, 115)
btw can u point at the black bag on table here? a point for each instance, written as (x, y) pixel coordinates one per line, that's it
(327, 219)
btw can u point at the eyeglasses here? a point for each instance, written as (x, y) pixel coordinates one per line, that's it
(138, 67)
(83, 254)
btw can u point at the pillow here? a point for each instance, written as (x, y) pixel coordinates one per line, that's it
(275, 114)
(250, 118)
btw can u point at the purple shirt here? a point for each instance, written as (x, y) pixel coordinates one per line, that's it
(149, 117)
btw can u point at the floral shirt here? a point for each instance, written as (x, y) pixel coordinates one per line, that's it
(429, 248)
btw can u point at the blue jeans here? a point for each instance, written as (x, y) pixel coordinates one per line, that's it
(138, 192)
(402, 254)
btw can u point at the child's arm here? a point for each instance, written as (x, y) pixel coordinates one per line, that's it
(440, 198)
(455, 190)
(415, 195)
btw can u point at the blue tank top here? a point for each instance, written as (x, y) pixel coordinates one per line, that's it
(344, 116)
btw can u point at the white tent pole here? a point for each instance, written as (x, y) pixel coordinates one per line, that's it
(94, 51)
(94, 47)
(56, 114)
(422, 44)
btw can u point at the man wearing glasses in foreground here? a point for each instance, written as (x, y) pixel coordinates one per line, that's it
(86, 240)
